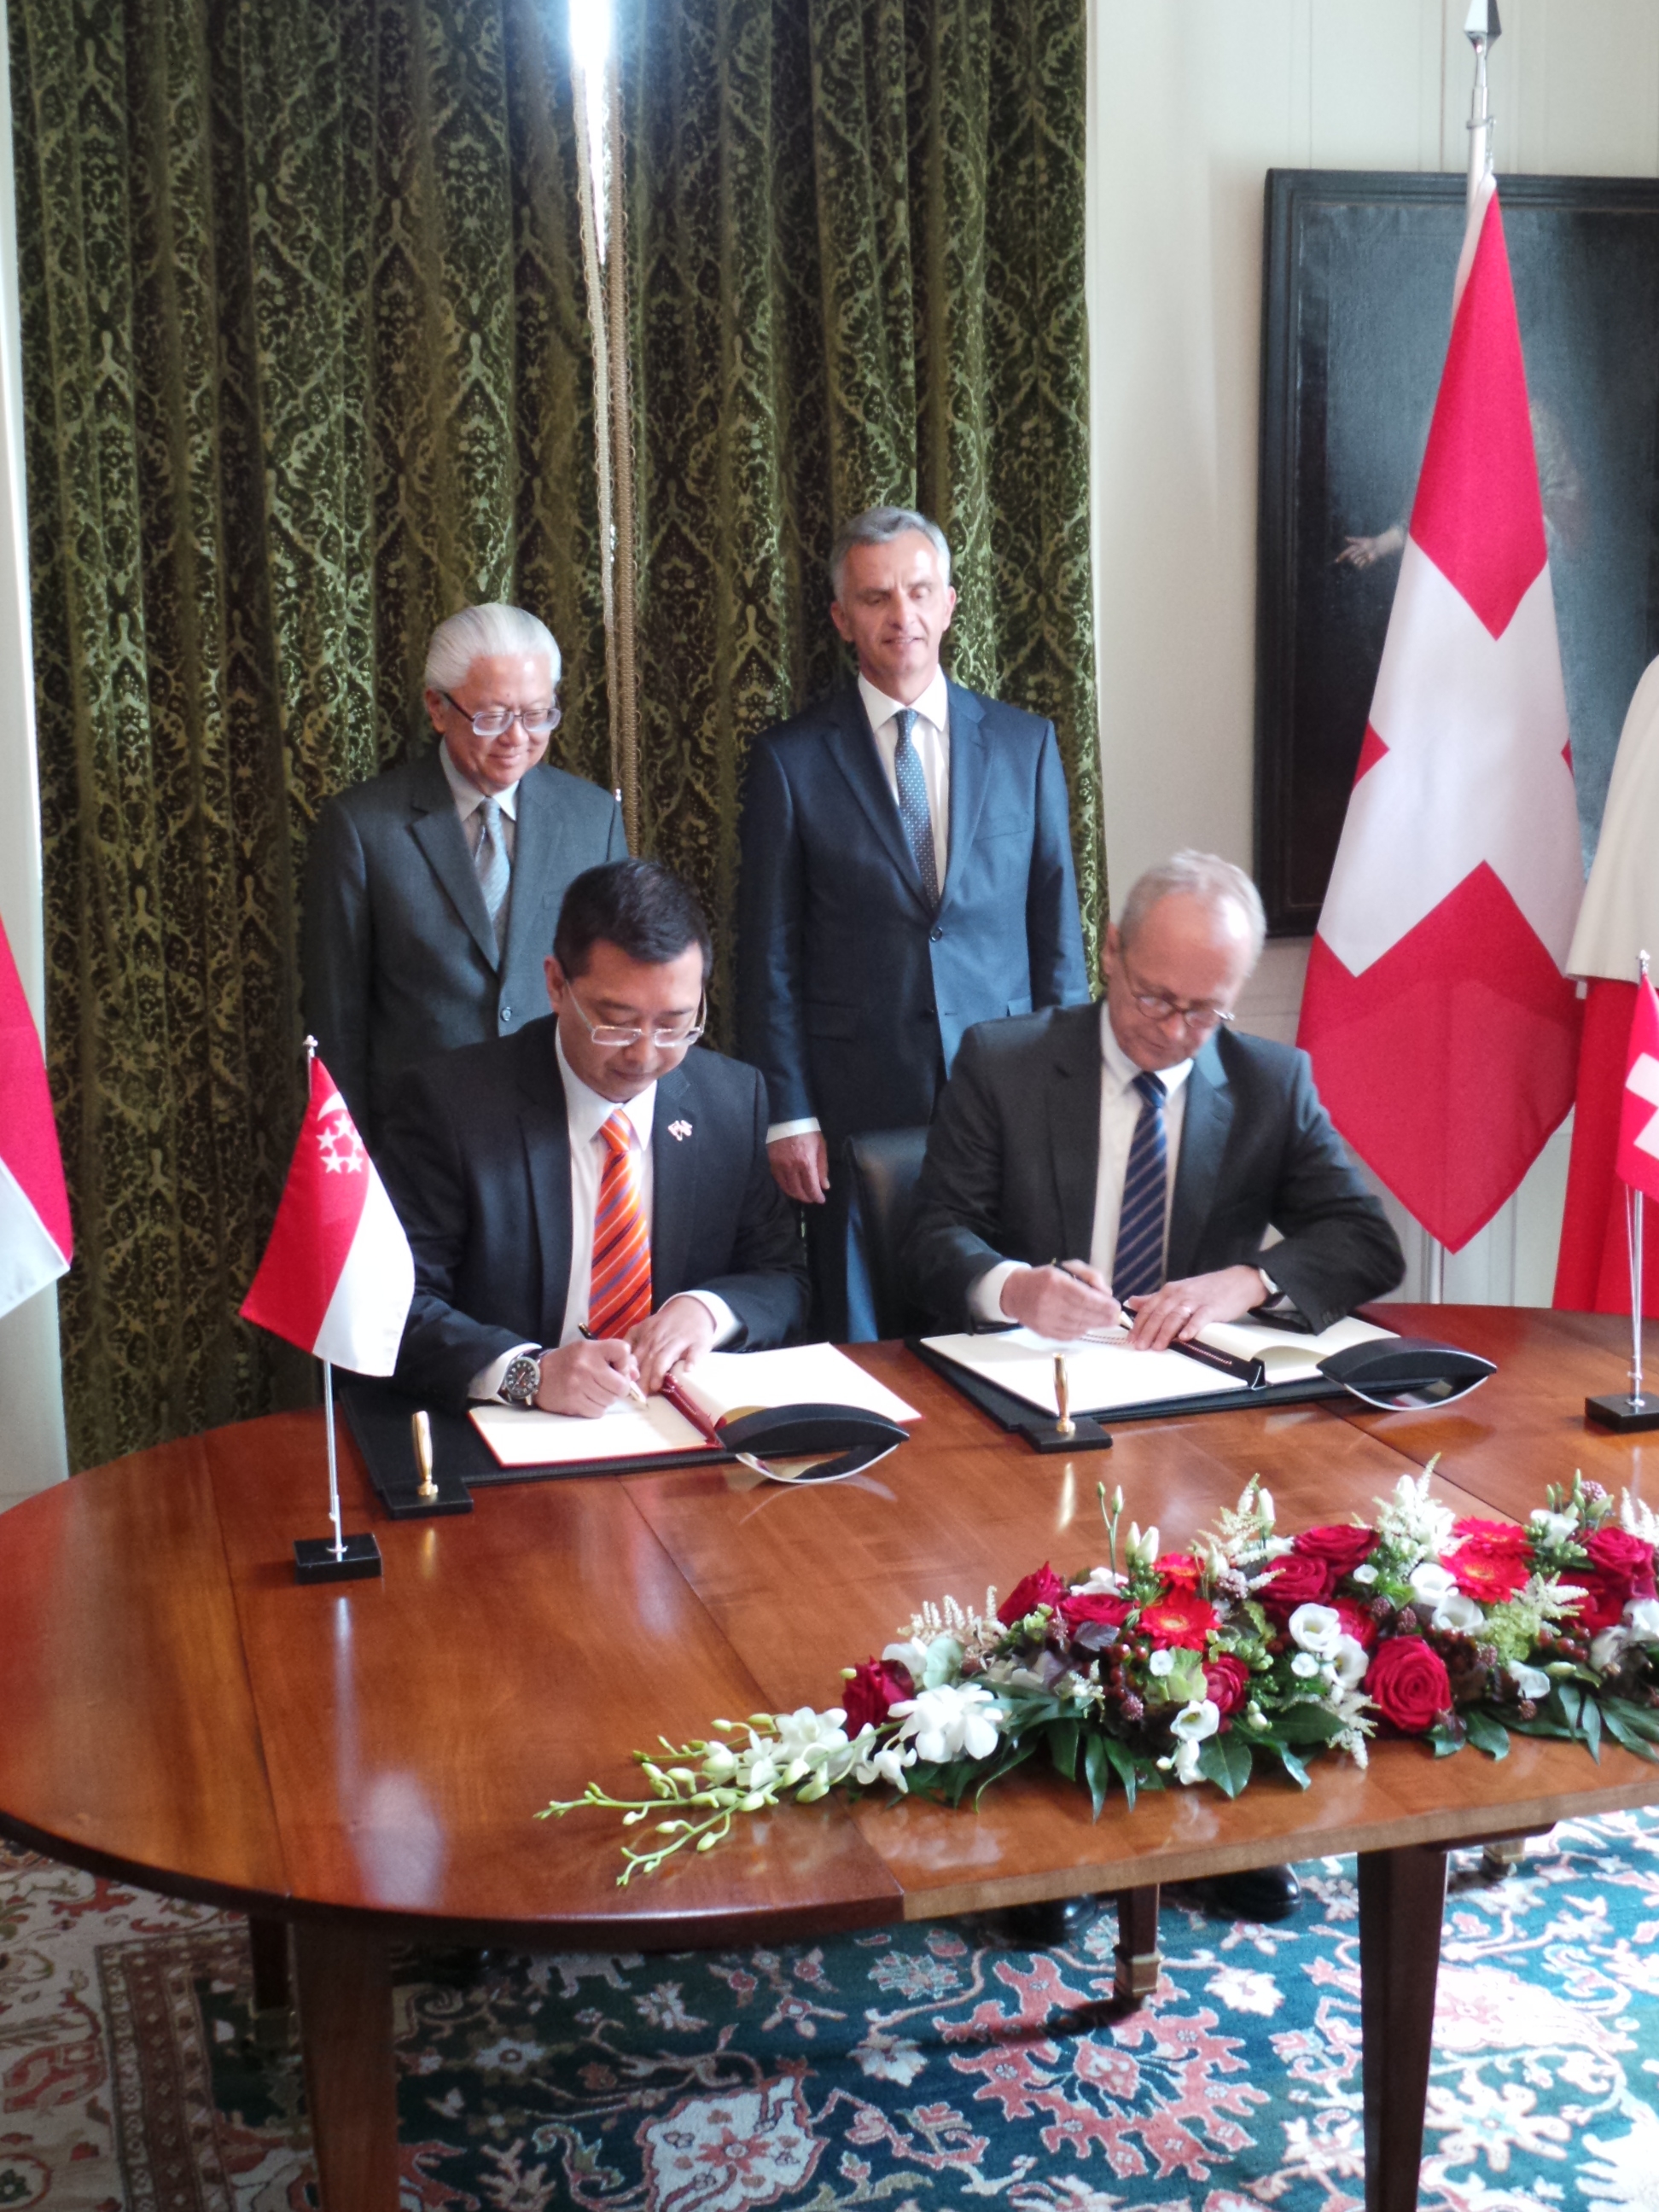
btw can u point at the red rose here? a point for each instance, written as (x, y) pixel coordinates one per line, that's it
(876, 1686)
(1043, 1588)
(1602, 1605)
(1500, 1536)
(1617, 1552)
(1340, 1547)
(1484, 1573)
(1299, 1578)
(1358, 1621)
(1183, 1619)
(1180, 1570)
(1097, 1605)
(1228, 1681)
(1408, 1685)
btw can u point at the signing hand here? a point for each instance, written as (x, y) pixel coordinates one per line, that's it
(587, 1377)
(801, 1167)
(1061, 1302)
(676, 1334)
(1182, 1309)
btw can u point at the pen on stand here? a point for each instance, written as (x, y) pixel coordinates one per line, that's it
(634, 1389)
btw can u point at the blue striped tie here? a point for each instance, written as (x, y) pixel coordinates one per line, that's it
(1138, 1269)
(913, 807)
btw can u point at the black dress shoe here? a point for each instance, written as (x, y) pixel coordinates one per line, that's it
(1042, 1927)
(1269, 1893)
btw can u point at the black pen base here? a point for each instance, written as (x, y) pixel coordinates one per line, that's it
(316, 1561)
(1086, 1436)
(1622, 1414)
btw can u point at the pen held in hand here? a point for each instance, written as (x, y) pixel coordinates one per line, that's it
(588, 1337)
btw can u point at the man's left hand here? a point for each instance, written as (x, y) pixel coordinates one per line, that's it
(1181, 1309)
(682, 1330)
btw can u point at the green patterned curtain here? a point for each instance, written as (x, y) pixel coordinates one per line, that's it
(306, 366)
(857, 253)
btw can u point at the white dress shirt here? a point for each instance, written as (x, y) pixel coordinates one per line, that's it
(469, 799)
(930, 734)
(586, 1113)
(1120, 1113)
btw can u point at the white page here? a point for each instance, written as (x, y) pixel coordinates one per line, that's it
(794, 1375)
(1103, 1376)
(627, 1431)
(1288, 1357)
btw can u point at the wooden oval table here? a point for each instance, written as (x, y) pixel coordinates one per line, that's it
(363, 1762)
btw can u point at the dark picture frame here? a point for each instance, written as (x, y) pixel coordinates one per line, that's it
(1357, 281)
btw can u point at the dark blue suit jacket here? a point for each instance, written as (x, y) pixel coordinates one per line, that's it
(852, 998)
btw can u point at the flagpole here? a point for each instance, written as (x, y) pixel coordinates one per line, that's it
(1627, 1411)
(333, 1465)
(1481, 28)
(1633, 1204)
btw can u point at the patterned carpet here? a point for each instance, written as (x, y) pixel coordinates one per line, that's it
(922, 2069)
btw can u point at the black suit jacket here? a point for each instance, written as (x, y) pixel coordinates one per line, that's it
(1013, 1158)
(477, 1158)
(852, 998)
(398, 956)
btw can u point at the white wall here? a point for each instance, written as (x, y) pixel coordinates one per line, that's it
(31, 1451)
(1192, 101)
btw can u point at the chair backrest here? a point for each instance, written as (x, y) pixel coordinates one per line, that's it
(882, 1167)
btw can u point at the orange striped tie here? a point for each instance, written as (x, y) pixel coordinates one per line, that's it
(619, 1295)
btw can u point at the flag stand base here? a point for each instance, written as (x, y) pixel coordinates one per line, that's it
(1086, 1436)
(315, 1559)
(1618, 1411)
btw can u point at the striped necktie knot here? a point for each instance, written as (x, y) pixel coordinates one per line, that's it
(619, 1290)
(1138, 1266)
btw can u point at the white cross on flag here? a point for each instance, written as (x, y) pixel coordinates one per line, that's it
(35, 1244)
(1638, 1123)
(338, 1275)
(1442, 1030)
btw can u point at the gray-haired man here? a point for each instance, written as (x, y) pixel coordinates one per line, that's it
(433, 889)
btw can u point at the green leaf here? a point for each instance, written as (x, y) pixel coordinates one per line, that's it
(1306, 1723)
(1225, 1761)
(1446, 1737)
(1003, 1767)
(1062, 1747)
(1292, 1765)
(1570, 1698)
(1098, 1762)
(1125, 1764)
(1642, 1719)
(1590, 1719)
(1621, 1732)
(1487, 1734)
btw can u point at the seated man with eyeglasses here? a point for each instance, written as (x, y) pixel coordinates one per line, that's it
(432, 889)
(1129, 1158)
(588, 1200)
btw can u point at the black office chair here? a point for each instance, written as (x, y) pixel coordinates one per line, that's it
(882, 1168)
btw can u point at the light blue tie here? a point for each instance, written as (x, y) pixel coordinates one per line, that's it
(494, 871)
(1138, 1269)
(913, 807)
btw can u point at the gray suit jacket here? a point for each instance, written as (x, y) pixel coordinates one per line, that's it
(1014, 1154)
(399, 958)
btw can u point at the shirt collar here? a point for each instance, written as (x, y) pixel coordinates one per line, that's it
(588, 1113)
(468, 797)
(1121, 1071)
(933, 706)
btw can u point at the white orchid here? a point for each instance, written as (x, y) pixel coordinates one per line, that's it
(1457, 1615)
(1191, 1726)
(887, 1764)
(958, 1720)
(1350, 1659)
(1316, 1628)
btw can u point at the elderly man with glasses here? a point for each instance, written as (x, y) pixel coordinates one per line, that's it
(588, 1200)
(1129, 1159)
(433, 888)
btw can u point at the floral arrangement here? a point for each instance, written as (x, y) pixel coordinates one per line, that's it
(1183, 1667)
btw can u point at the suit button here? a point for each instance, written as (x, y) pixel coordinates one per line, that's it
(935, 934)
(507, 1016)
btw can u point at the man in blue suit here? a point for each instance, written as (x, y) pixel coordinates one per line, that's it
(907, 872)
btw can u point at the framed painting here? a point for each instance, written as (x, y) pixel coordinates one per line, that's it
(1357, 285)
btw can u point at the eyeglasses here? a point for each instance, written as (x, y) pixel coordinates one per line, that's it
(1201, 1014)
(606, 1036)
(496, 721)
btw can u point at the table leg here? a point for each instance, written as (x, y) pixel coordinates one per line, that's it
(344, 1992)
(1138, 1959)
(1401, 1896)
(268, 1942)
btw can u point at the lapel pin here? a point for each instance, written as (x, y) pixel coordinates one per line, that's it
(679, 1131)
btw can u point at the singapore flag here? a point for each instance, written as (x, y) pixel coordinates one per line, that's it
(338, 1275)
(1442, 1029)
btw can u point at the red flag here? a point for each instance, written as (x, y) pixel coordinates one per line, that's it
(1442, 1029)
(1638, 1123)
(36, 1244)
(338, 1275)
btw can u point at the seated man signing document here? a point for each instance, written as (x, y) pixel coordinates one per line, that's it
(1088, 1165)
(588, 1200)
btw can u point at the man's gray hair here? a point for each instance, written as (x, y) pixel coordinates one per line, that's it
(483, 633)
(879, 526)
(1204, 875)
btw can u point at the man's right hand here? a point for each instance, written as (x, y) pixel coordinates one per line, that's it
(1060, 1303)
(801, 1167)
(586, 1378)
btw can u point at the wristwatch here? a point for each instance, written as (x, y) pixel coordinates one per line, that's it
(522, 1380)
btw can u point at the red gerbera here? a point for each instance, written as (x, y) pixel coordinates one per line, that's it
(1486, 1574)
(1180, 1570)
(1183, 1619)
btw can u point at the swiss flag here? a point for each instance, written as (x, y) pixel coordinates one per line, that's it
(1442, 1030)
(35, 1242)
(338, 1275)
(1637, 1163)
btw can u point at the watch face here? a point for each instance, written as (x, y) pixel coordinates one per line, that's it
(522, 1380)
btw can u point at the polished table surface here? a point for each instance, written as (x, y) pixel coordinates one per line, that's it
(364, 1759)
